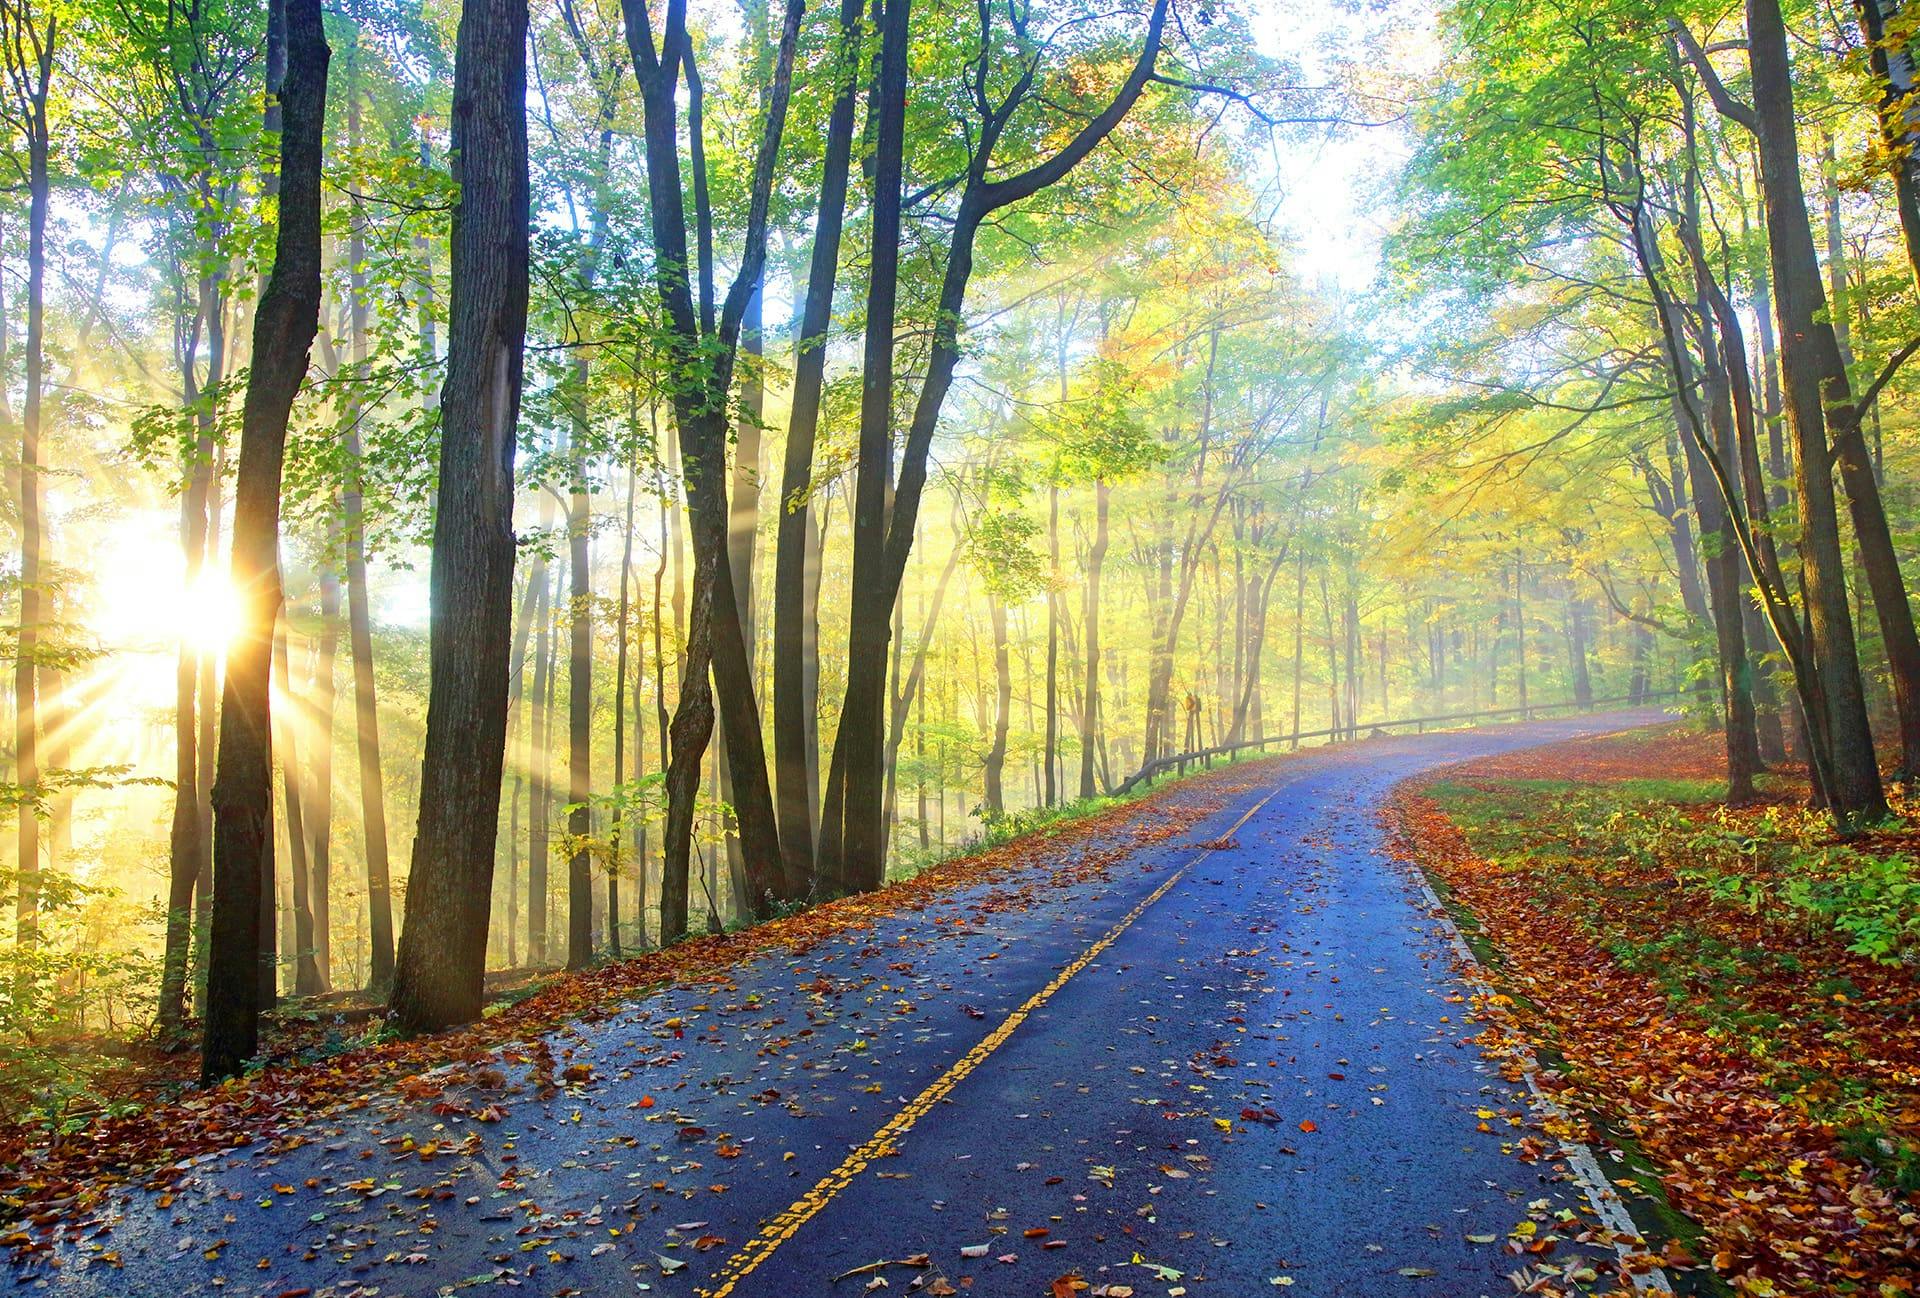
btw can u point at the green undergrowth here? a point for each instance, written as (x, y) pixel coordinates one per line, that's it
(1742, 919)
(999, 829)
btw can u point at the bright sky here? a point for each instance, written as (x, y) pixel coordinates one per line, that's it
(1328, 187)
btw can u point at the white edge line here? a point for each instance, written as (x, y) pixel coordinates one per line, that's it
(1601, 1195)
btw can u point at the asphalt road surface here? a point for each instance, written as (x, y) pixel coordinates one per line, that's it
(1231, 1063)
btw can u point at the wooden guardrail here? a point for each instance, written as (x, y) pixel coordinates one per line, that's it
(1160, 765)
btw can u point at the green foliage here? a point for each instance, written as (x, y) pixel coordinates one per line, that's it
(1000, 545)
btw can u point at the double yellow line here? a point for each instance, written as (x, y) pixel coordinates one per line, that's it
(784, 1225)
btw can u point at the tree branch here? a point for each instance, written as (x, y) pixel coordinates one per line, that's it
(1894, 362)
(1730, 108)
(1031, 181)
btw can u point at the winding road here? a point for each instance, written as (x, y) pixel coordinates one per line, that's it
(1229, 1060)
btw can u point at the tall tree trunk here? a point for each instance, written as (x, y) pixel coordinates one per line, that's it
(519, 721)
(705, 346)
(883, 538)
(1260, 596)
(1893, 68)
(284, 328)
(620, 728)
(911, 687)
(208, 715)
(1157, 741)
(1811, 367)
(1714, 509)
(810, 665)
(1090, 706)
(673, 880)
(319, 802)
(443, 945)
(579, 568)
(639, 773)
(306, 974)
(852, 833)
(1520, 627)
(29, 58)
(1299, 640)
(366, 710)
(1725, 587)
(540, 801)
(1050, 751)
(1577, 651)
(579, 722)
(184, 838)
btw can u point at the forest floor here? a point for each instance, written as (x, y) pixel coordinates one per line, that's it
(1727, 999)
(1209, 1042)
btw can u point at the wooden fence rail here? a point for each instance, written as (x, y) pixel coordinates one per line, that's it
(1419, 724)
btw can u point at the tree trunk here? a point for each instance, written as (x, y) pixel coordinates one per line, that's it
(852, 833)
(1050, 794)
(284, 328)
(1299, 640)
(1090, 705)
(366, 710)
(883, 538)
(1577, 652)
(810, 668)
(579, 569)
(620, 728)
(32, 77)
(1759, 556)
(579, 720)
(705, 347)
(911, 688)
(184, 837)
(208, 688)
(306, 974)
(319, 801)
(443, 945)
(1714, 509)
(1893, 69)
(1810, 365)
(540, 774)
(673, 901)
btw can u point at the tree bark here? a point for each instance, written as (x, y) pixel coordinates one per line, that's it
(1810, 365)
(579, 568)
(185, 838)
(853, 834)
(284, 327)
(1002, 705)
(1893, 69)
(703, 350)
(29, 65)
(540, 774)
(306, 974)
(319, 801)
(366, 710)
(1090, 705)
(579, 721)
(852, 840)
(620, 727)
(443, 945)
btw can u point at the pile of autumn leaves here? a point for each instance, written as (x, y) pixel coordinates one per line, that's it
(1750, 1129)
(50, 1184)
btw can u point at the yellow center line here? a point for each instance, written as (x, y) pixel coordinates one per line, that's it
(784, 1225)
